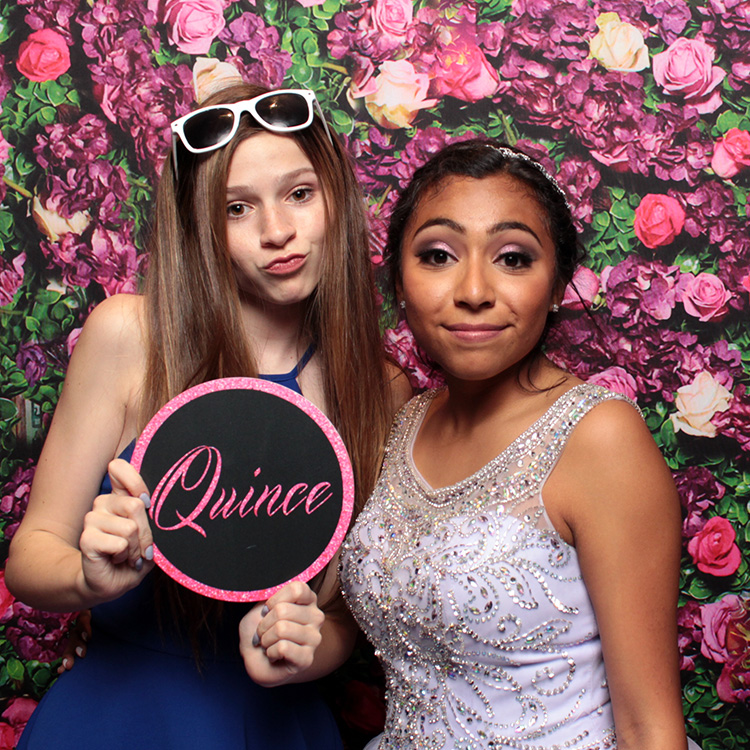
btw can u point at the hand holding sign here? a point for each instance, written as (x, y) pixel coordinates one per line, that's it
(251, 488)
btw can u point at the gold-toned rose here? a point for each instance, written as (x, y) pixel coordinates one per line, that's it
(618, 45)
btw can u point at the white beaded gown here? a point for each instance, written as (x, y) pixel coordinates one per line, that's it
(475, 605)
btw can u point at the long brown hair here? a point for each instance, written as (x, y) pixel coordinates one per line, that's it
(193, 324)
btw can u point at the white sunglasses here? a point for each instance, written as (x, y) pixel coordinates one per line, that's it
(210, 128)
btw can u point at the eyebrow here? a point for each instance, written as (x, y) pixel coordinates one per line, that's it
(288, 177)
(501, 226)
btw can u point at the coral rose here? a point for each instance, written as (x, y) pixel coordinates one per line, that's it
(193, 24)
(396, 95)
(713, 548)
(618, 45)
(461, 70)
(658, 220)
(44, 56)
(697, 402)
(731, 153)
(686, 69)
(704, 296)
(211, 75)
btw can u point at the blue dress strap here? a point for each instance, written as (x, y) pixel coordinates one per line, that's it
(289, 379)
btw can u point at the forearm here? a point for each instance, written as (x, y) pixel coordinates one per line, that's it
(45, 572)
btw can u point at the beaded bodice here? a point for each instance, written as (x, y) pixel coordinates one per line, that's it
(474, 603)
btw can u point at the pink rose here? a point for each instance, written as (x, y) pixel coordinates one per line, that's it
(714, 620)
(731, 153)
(19, 711)
(461, 70)
(616, 379)
(193, 24)
(686, 69)
(713, 548)
(582, 290)
(310, 3)
(5, 148)
(733, 685)
(394, 98)
(392, 18)
(44, 56)
(6, 599)
(697, 403)
(704, 296)
(658, 220)
(746, 283)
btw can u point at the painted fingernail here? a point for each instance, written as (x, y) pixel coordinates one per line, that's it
(80, 651)
(146, 500)
(264, 611)
(256, 640)
(85, 637)
(139, 564)
(149, 553)
(67, 662)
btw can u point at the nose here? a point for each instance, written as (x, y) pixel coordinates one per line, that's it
(473, 287)
(276, 227)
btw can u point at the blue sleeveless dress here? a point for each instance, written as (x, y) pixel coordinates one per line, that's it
(139, 685)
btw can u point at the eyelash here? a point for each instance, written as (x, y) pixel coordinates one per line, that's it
(524, 259)
(429, 256)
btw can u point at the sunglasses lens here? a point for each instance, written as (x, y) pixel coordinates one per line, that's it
(207, 129)
(283, 110)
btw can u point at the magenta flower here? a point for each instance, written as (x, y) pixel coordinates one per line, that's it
(713, 548)
(731, 153)
(704, 296)
(714, 620)
(658, 220)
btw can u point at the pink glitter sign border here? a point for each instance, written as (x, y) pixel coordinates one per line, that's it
(320, 419)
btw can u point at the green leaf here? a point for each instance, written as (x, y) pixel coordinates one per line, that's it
(15, 669)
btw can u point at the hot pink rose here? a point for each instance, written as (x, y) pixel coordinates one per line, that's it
(714, 620)
(658, 220)
(746, 283)
(462, 70)
(713, 548)
(582, 291)
(731, 153)
(705, 297)
(686, 69)
(396, 95)
(392, 18)
(193, 24)
(6, 599)
(5, 148)
(44, 56)
(616, 379)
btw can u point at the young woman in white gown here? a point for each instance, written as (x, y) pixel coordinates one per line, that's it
(517, 565)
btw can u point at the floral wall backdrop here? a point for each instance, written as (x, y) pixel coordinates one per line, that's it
(641, 108)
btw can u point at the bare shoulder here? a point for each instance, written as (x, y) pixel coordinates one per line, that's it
(116, 324)
(610, 469)
(398, 385)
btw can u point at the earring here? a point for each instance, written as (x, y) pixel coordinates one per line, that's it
(555, 308)
(402, 304)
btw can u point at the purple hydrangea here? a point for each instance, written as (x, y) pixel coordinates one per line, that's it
(11, 278)
(640, 291)
(82, 178)
(255, 50)
(552, 29)
(34, 634)
(711, 211)
(689, 634)
(580, 178)
(52, 14)
(15, 497)
(31, 359)
(699, 491)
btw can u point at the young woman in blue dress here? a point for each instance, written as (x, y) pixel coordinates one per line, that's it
(259, 266)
